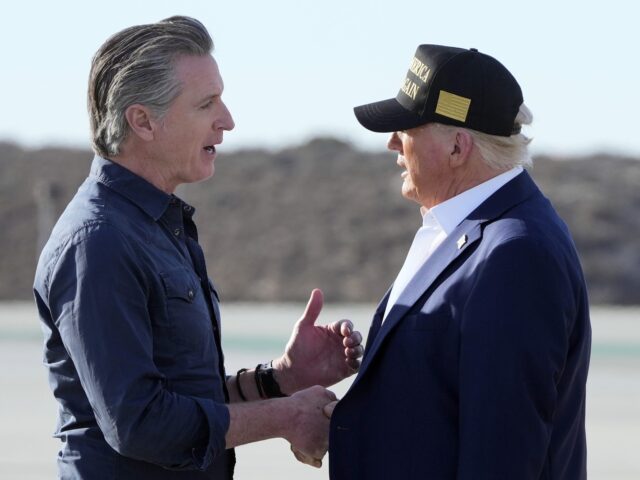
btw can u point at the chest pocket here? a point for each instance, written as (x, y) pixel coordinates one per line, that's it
(428, 335)
(187, 316)
(428, 322)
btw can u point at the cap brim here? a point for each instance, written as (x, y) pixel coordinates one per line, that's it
(387, 116)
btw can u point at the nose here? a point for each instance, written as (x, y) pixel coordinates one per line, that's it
(394, 143)
(225, 121)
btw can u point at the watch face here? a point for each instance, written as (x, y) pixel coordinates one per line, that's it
(267, 382)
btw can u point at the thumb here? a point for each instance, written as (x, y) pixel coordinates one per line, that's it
(328, 408)
(314, 305)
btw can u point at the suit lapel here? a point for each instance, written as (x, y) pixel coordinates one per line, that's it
(465, 235)
(446, 253)
(377, 321)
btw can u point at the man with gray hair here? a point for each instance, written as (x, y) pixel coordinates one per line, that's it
(477, 358)
(130, 316)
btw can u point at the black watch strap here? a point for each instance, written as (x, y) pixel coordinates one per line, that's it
(266, 381)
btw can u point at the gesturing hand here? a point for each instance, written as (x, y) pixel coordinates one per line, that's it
(318, 354)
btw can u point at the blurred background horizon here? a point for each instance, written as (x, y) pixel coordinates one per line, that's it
(294, 70)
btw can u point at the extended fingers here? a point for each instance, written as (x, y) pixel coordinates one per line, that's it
(354, 352)
(352, 340)
(346, 327)
(342, 328)
(353, 348)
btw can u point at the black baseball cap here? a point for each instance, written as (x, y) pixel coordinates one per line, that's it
(449, 85)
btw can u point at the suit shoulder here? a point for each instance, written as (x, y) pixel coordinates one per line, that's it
(535, 220)
(538, 237)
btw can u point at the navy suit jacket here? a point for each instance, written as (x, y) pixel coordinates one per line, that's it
(479, 370)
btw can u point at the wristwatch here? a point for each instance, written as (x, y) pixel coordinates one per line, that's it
(265, 381)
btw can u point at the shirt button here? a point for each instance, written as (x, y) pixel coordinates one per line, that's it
(190, 294)
(176, 232)
(186, 208)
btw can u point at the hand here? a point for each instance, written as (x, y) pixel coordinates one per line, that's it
(309, 435)
(301, 457)
(328, 409)
(318, 354)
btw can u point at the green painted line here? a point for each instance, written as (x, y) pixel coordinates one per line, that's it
(256, 343)
(235, 342)
(20, 336)
(253, 343)
(616, 350)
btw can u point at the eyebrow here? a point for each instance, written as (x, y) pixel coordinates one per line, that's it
(211, 96)
(208, 97)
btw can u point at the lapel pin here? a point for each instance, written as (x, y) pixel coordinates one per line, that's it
(462, 241)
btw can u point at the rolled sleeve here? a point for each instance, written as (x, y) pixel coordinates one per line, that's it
(218, 419)
(98, 297)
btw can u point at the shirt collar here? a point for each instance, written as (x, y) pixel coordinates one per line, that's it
(451, 212)
(429, 220)
(136, 189)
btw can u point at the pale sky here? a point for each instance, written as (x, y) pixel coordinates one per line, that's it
(293, 70)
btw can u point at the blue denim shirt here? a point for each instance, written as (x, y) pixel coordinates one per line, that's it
(132, 340)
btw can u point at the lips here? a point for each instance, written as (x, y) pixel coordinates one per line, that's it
(210, 149)
(401, 164)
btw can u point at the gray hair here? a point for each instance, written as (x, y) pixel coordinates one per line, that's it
(504, 153)
(136, 65)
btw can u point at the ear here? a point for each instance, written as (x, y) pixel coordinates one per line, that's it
(461, 150)
(141, 121)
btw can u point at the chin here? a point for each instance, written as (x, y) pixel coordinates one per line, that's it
(206, 175)
(199, 176)
(206, 171)
(408, 191)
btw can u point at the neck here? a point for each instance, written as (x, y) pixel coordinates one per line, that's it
(145, 165)
(463, 178)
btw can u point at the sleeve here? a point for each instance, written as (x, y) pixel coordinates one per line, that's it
(98, 299)
(514, 343)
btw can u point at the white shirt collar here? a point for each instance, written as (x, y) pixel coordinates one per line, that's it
(429, 220)
(450, 213)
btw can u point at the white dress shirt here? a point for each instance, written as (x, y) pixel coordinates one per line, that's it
(437, 223)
